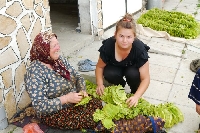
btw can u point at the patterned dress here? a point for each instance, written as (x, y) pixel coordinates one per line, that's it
(45, 86)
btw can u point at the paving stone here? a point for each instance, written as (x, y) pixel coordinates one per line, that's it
(197, 17)
(184, 77)
(144, 39)
(169, 6)
(179, 95)
(109, 33)
(158, 90)
(163, 46)
(153, 100)
(191, 121)
(194, 49)
(185, 63)
(194, 42)
(161, 73)
(164, 60)
(187, 8)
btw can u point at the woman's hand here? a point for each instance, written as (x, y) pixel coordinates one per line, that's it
(132, 101)
(99, 76)
(84, 93)
(198, 109)
(100, 89)
(74, 97)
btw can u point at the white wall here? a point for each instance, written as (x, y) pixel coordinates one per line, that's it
(133, 5)
(113, 10)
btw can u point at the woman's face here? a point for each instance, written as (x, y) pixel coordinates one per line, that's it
(54, 48)
(124, 38)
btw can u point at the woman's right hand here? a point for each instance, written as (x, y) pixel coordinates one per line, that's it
(100, 89)
(73, 97)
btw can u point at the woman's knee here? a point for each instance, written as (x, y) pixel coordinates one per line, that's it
(133, 78)
(112, 72)
(132, 74)
(114, 75)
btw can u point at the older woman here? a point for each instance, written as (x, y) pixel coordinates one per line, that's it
(55, 87)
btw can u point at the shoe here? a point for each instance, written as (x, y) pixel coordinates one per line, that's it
(86, 68)
(87, 61)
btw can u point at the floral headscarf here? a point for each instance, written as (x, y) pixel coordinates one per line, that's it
(41, 51)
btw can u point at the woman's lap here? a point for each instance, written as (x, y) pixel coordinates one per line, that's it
(74, 117)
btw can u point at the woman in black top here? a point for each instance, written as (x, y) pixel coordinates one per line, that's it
(123, 55)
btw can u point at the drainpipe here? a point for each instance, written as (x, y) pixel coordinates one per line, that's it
(3, 118)
(154, 4)
(126, 5)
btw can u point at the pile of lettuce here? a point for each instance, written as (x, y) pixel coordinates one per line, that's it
(116, 108)
(175, 23)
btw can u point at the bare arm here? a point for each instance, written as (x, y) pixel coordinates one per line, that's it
(99, 76)
(145, 80)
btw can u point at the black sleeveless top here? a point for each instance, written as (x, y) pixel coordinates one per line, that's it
(137, 57)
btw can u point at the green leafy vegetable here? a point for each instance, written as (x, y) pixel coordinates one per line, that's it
(115, 108)
(84, 101)
(175, 23)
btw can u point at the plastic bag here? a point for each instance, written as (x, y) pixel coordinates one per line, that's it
(32, 128)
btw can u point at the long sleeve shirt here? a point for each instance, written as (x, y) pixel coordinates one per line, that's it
(194, 93)
(45, 86)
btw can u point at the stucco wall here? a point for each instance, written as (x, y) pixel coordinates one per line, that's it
(20, 21)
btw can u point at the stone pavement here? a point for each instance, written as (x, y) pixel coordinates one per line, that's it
(171, 76)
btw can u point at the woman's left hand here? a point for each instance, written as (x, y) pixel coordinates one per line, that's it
(84, 93)
(132, 101)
